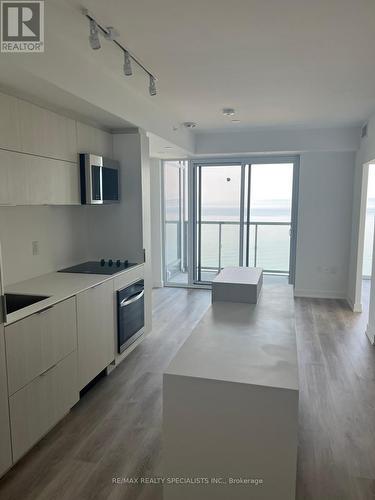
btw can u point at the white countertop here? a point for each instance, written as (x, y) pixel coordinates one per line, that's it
(244, 343)
(239, 275)
(58, 287)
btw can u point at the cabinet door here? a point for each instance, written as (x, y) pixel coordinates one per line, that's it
(94, 140)
(46, 133)
(95, 318)
(38, 342)
(53, 182)
(5, 450)
(38, 406)
(14, 178)
(9, 123)
(34, 180)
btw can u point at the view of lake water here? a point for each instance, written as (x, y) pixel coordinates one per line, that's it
(273, 241)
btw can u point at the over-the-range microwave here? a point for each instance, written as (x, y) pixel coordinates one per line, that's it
(99, 179)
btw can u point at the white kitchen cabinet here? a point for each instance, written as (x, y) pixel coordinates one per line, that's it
(5, 446)
(93, 140)
(46, 133)
(38, 342)
(53, 182)
(95, 320)
(9, 123)
(38, 406)
(34, 180)
(14, 185)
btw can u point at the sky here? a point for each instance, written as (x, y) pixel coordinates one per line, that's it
(221, 185)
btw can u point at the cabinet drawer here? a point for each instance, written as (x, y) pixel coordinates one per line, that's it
(38, 342)
(128, 277)
(38, 406)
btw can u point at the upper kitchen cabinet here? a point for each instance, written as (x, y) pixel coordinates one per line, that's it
(52, 182)
(45, 133)
(93, 140)
(9, 123)
(35, 180)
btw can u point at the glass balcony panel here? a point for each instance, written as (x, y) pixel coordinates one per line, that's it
(273, 247)
(251, 245)
(210, 246)
(230, 241)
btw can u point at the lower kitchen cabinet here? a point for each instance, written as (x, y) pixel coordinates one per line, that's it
(5, 447)
(40, 341)
(38, 406)
(95, 322)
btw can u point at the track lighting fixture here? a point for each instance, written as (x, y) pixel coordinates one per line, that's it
(94, 35)
(152, 86)
(128, 71)
(111, 34)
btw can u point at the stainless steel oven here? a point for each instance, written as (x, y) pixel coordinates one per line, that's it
(130, 314)
(99, 180)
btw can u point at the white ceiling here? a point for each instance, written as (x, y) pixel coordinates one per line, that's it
(279, 63)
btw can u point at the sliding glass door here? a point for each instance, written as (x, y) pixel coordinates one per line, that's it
(244, 214)
(271, 215)
(218, 208)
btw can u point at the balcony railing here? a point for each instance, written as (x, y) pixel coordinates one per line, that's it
(269, 244)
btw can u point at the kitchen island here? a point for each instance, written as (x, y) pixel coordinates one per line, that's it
(230, 403)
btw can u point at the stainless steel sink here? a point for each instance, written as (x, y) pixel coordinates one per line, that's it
(15, 301)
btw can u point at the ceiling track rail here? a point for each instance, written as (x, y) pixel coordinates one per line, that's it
(108, 34)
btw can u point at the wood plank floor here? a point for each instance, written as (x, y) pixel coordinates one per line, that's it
(114, 431)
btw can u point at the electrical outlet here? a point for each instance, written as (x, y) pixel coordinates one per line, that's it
(35, 247)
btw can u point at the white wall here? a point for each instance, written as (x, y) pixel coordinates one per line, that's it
(60, 231)
(324, 224)
(277, 141)
(366, 153)
(156, 223)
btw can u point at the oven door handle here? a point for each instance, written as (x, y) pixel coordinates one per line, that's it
(132, 299)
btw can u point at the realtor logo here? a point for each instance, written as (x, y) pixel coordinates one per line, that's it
(22, 26)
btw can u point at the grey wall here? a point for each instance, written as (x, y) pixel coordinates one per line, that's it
(324, 224)
(116, 230)
(60, 231)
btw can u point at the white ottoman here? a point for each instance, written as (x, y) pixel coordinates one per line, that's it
(238, 284)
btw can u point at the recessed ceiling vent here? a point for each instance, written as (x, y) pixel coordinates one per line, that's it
(364, 130)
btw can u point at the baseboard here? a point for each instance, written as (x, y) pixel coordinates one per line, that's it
(319, 294)
(158, 284)
(354, 306)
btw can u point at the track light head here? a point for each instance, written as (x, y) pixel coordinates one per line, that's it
(111, 33)
(94, 35)
(152, 87)
(128, 71)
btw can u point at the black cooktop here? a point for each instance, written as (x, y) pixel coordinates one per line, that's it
(100, 267)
